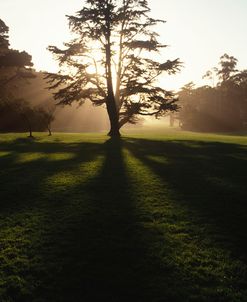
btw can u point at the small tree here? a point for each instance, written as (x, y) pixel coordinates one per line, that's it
(110, 62)
(29, 115)
(47, 116)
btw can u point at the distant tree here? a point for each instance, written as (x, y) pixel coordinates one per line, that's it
(239, 94)
(219, 108)
(227, 67)
(28, 115)
(47, 116)
(211, 74)
(109, 62)
(35, 118)
(17, 115)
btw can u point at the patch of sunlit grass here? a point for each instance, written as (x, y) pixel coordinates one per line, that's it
(156, 216)
(4, 153)
(82, 173)
(27, 157)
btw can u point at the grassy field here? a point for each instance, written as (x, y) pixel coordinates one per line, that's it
(152, 217)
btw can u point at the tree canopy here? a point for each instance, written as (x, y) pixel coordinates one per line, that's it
(14, 64)
(16, 114)
(110, 61)
(221, 107)
(4, 39)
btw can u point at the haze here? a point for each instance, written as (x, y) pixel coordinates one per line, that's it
(198, 32)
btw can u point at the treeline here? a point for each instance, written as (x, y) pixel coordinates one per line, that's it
(17, 114)
(21, 85)
(221, 106)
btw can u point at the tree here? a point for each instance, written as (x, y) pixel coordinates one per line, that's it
(14, 65)
(47, 116)
(19, 115)
(218, 108)
(4, 38)
(28, 115)
(211, 74)
(109, 62)
(227, 67)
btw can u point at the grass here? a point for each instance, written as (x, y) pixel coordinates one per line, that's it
(153, 217)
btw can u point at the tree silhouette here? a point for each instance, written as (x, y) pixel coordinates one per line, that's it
(109, 62)
(218, 108)
(47, 116)
(4, 39)
(227, 67)
(14, 65)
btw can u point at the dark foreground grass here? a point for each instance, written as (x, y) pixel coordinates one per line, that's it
(147, 218)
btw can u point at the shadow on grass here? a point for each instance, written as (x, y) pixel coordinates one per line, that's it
(83, 239)
(108, 254)
(208, 178)
(80, 242)
(26, 164)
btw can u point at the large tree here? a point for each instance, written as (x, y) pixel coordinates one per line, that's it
(4, 38)
(110, 61)
(14, 64)
(17, 114)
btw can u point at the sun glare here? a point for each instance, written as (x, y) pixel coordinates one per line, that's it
(187, 31)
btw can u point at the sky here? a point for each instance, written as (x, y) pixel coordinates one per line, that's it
(197, 31)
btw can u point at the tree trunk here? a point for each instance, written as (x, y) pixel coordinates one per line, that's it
(110, 101)
(49, 131)
(113, 117)
(30, 131)
(111, 105)
(29, 125)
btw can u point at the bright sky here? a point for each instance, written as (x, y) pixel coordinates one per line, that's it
(198, 31)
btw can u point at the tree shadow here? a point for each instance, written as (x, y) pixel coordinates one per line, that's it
(208, 178)
(26, 165)
(107, 254)
(86, 240)
(80, 242)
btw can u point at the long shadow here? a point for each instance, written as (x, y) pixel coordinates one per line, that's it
(21, 182)
(78, 243)
(86, 241)
(102, 250)
(32, 208)
(209, 179)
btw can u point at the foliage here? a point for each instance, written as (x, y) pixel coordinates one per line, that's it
(47, 116)
(15, 58)
(4, 39)
(218, 108)
(114, 42)
(17, 115)
(14, 65)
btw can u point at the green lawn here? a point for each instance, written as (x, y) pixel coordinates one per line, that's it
(153, 217)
